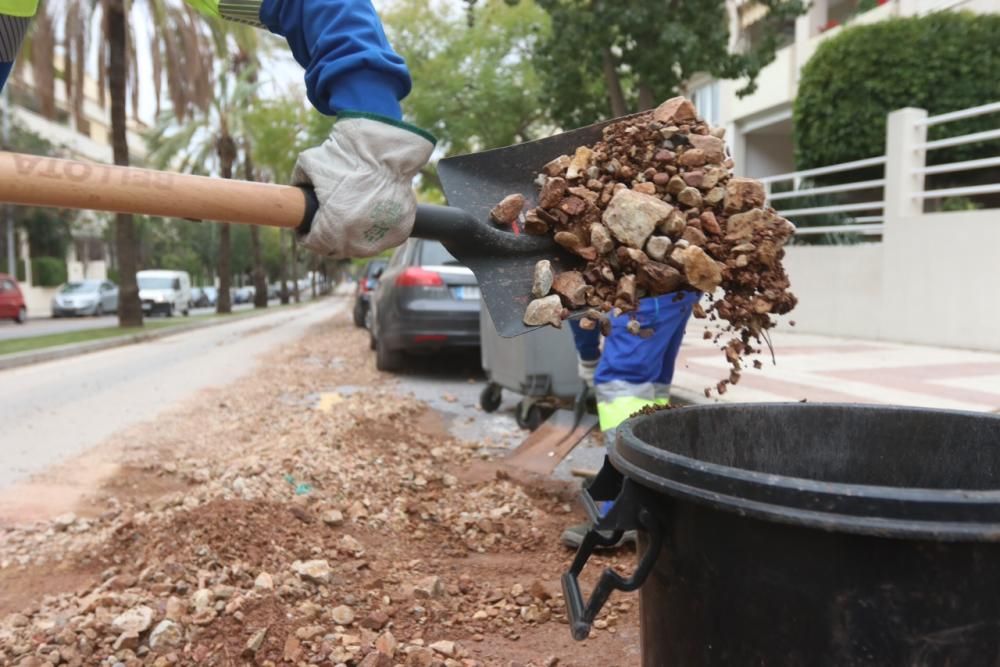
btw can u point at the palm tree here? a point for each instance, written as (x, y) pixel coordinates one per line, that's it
(178, 51)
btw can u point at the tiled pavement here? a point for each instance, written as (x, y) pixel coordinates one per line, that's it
(818, 368)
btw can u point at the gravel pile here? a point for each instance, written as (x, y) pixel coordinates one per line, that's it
(654, 208)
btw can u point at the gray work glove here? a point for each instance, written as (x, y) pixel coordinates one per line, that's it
(363, 178)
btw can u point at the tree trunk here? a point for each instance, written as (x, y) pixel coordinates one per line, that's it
(259, 276)
(646, 98)
(226, 147)
(295, 268)
(614, 84)
(283, 270)
(127, 250)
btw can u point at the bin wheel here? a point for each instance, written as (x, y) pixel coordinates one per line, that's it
(490, 397)
(528, 415)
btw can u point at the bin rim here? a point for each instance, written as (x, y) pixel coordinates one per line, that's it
(882, 511)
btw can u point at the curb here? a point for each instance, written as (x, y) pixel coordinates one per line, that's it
(19, 359)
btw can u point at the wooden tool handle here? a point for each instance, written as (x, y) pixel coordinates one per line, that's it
(31, 180)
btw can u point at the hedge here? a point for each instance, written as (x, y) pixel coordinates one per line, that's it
(45, 271)
(941, 62)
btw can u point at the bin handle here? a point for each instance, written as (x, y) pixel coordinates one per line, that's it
(582, 614)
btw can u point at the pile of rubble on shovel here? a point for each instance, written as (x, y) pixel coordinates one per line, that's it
(651, 209)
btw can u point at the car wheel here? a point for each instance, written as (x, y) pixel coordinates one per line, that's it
(22, 315)
(359, 314)
(99, 310)
(386, 359)
(186, 312)
(491, 397)
(170, 310)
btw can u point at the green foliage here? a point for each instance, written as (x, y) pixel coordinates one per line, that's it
(474, 85)
(650, 47)
(940, 62)
(48, 271)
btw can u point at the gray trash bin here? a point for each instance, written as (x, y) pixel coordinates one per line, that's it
(540, 365)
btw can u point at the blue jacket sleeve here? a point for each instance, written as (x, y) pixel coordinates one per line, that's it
(342, 46)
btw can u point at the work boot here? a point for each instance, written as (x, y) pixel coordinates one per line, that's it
(573, 536)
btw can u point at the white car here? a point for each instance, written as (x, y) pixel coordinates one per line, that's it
(165, 292)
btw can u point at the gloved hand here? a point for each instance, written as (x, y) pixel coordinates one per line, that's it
(363, 177)
(586, 369)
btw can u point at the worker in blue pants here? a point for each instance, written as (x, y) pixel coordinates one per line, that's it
(633, 371)
(363, 173)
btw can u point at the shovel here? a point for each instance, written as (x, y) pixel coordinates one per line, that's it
(502, 259)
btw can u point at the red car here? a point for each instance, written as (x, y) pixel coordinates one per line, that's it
(11, 300)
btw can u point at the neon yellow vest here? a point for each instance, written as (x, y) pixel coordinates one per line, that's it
(20, 8)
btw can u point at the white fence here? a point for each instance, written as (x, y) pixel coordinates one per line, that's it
(904, 168)
(931, 276)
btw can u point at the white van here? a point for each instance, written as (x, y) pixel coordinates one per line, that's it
(166, 292)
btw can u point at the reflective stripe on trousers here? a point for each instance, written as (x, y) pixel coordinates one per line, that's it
(618, 400)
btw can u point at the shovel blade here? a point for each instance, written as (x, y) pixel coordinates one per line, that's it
(475, 183)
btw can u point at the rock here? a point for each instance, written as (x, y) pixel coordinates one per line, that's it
(693, 178)
(709, 224)
(569, 240)
(552, 192)
(743, 194)
(508, 210)
(292, 650)
(626, 290)
(585, 193)
(342, 615)
(715, 196)
(557, 166)
(315, 571)
(579, 163)
(743, 248)
(263, 582)
(376, 620)
(573, 289)
(333, 517)
(17, 620)
(431, 587)
(712, 177)
(690, 197)
(127, 641)
(307, 632)
(675, 185)
(660, 278)
(547, 310)
(202, 599)
(692, 157)
(632, 216)
(166, 634)
(351, 546)
(137, 620)
(674, 224)
(420, 657)
(634, 328)
(600, 239)
(444, 647)
(741, 226)
(646, 188)
(542, 283)
(533, 223)
(657, 247)
(675, 111)
(713, 148)
(203, 617)
(63, 521)
(376, 659)
(386, 643)
(254, 643)
(694, 236)
(703, 272)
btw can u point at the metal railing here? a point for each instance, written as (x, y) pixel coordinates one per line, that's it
(964, 165)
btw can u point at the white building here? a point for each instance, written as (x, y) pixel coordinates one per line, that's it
(759, 126)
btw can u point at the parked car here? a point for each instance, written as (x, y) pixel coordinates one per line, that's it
(164, 292)
(243, 295)
(425, 301)
(85, 297)
(12, 305)
(366, 284)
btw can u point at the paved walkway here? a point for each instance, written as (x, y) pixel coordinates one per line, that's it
(819, 368)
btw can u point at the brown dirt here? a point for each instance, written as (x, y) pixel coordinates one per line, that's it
(206, 499)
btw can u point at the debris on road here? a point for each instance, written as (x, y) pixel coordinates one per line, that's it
(196, 554)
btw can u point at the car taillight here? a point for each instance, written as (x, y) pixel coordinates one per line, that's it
(418, 277)
(363, 287)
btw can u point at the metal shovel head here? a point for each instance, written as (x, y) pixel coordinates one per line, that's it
(504, 259)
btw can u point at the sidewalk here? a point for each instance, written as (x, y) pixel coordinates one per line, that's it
(825, 369)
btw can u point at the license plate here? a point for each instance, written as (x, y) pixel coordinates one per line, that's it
(466, 292)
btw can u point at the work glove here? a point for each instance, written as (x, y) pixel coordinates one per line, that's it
(363, 178)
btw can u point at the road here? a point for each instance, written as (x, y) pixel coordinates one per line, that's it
(54, 410)
(41, 326)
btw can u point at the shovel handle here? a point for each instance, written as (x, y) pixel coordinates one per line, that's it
(31, 180)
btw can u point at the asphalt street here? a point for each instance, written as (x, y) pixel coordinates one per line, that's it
(53, 410)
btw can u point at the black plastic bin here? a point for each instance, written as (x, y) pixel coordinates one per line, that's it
(807, 534)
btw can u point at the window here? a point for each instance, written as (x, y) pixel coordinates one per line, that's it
(706, 101)
(6, 286)
(432, 253)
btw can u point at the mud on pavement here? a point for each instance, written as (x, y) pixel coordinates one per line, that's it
(279, 521)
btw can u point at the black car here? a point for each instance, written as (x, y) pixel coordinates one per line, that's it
(425, 301)
(366, 285)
